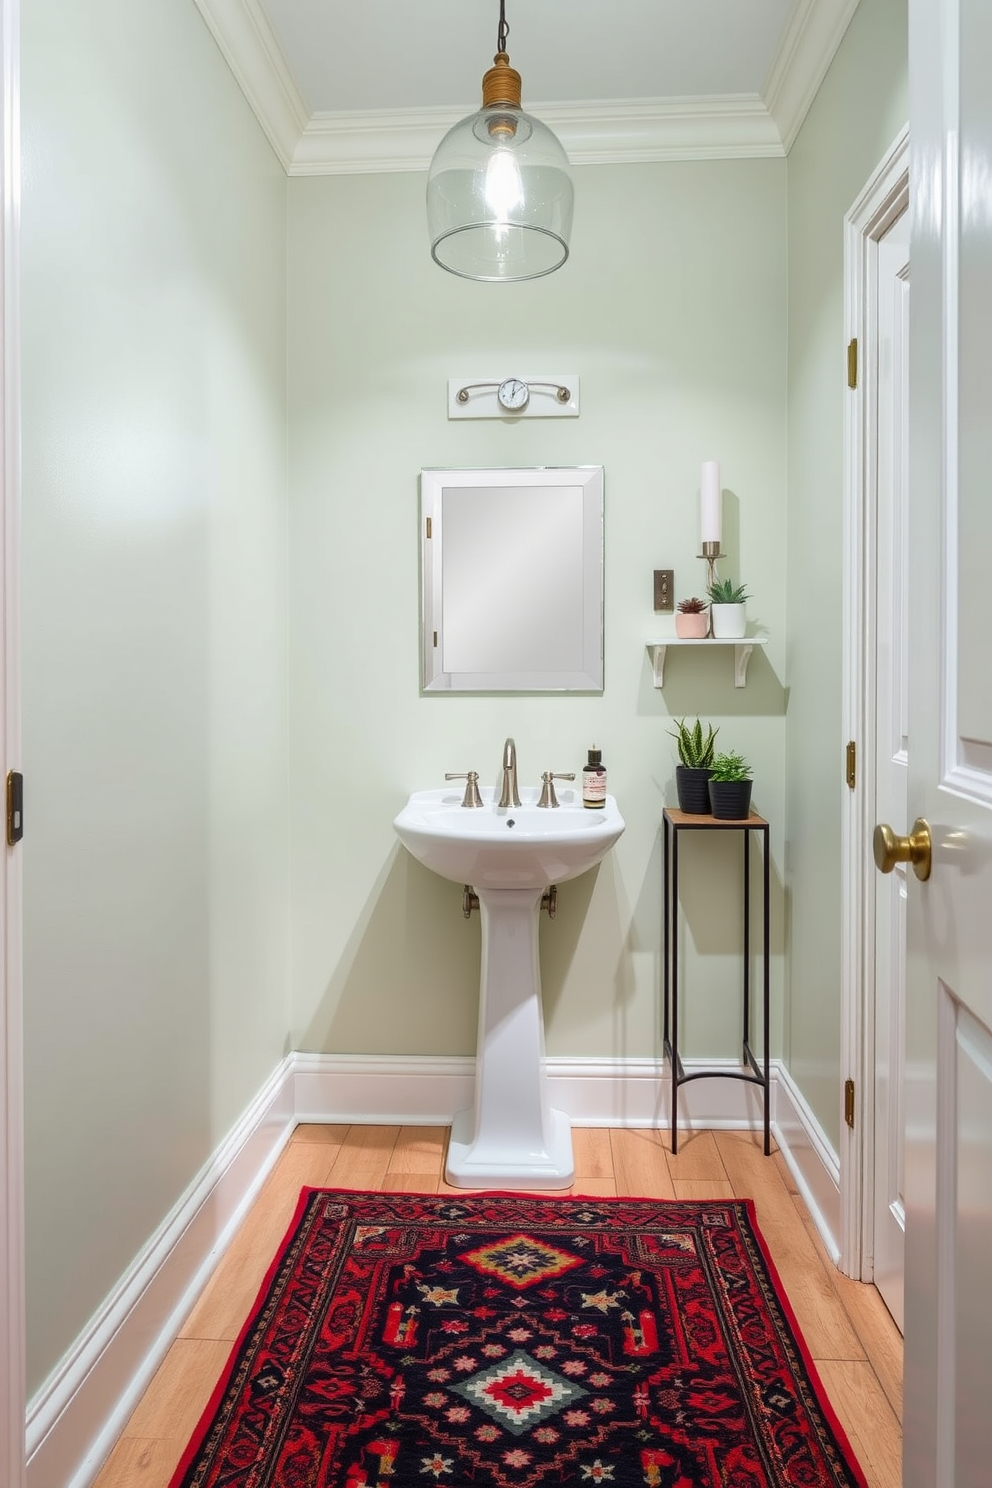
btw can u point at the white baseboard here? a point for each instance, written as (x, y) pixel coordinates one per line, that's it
(77, 1415)
(384, 1089)
(75, 1418)
(810, 1158)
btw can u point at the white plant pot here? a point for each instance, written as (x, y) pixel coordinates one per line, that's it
(729, 621)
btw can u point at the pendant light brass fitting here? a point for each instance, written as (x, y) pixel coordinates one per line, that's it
(501, 84)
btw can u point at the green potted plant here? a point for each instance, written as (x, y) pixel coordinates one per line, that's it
(692, 774)
(730, 787)
(692, 622)
(727, 609)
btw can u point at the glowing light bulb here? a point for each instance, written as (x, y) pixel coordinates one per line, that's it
(504, 188)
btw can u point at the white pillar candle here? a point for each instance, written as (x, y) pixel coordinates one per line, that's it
(709, 493)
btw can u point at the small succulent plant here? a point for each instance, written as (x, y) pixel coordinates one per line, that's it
(692, 606)
(730, 766)
(695, 748)
(725, 591)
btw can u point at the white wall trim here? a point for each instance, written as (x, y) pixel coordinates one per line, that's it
(76, 1416)
(878, 204)
(12, 1387)
(608, 133)
(809, 44)
(592, 134)
(810, 1158)
(249, 47)
(397, 1090)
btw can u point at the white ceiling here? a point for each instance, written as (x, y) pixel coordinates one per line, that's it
(345, 86)
(387, 54)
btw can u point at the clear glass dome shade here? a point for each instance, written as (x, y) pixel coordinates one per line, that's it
(499, 197)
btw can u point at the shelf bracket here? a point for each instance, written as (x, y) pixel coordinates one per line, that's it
(742, 655)
(658, 664)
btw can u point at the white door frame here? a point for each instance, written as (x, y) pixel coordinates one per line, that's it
(12, 1383)
(883, 199)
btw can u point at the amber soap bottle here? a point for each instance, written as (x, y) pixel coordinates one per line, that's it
(594, 780)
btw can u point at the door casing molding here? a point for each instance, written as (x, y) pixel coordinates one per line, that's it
(884, 198)
(12, 1367)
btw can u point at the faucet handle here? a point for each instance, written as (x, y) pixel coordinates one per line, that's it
(548, 797)
(471, 778)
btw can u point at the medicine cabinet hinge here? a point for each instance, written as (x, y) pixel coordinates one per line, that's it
(428, 526)
(849, 1103)
(852, 362)
(851, 765)
(15, 807)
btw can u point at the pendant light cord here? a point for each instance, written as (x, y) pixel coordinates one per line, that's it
(504, 29)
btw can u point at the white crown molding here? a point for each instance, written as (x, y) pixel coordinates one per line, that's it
(814, 31)
(591, 133)
(728, 128)
(250, 49)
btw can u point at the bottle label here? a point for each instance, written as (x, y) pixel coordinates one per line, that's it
(594, 786)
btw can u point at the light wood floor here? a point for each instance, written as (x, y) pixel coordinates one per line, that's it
(853, 1341)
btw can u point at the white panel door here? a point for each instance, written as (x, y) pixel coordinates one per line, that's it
(891, 298)
(947, 1414)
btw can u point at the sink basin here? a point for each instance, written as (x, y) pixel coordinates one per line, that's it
(514, 847)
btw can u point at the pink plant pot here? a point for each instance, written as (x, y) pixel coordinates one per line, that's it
(692, 627)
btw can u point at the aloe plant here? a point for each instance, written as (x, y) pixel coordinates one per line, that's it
(695, 748)
(730, 766)
(725, 591)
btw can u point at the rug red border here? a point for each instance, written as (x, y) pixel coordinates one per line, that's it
(203, 1425)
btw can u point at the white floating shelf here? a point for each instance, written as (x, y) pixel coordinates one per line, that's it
(742, 654)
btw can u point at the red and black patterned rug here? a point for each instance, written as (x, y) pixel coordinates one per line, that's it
(503, 1340)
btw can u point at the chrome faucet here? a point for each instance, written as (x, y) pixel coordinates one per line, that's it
(509, 795)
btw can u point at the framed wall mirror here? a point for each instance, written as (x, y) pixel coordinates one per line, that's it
(512, 564)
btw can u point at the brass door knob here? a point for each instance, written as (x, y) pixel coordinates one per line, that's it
(890, 849)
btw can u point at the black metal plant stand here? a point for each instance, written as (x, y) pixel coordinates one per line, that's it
(674, 823)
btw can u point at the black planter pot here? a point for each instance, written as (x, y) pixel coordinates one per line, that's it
(693, 788)
(730, 800)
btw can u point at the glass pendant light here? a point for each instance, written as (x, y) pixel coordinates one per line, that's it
(499, 193)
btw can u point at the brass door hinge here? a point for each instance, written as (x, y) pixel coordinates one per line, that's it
(851, 765)
(852, 362)
(428, 527)
(849, 1102)
(15, 807)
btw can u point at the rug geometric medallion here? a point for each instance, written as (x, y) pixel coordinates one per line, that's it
(503, 1340)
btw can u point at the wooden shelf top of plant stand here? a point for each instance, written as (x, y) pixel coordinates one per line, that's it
(742, 654)
(688, 819)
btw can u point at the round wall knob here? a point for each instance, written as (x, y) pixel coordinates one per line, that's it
(890, 849)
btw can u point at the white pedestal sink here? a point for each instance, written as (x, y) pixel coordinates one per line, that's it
(512, 1136)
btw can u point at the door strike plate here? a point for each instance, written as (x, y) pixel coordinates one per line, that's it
(15, 807)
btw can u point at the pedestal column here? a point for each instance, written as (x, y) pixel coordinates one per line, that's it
(512, 1136)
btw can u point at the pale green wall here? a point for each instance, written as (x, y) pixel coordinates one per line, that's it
(155, 856)
(859, 110)
(672, 310)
